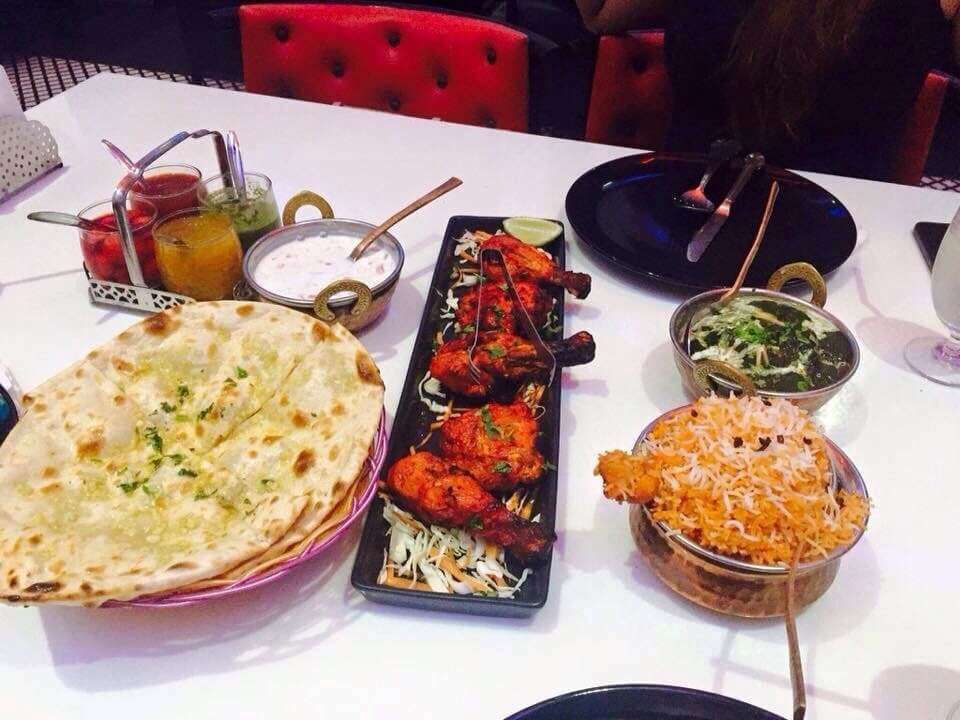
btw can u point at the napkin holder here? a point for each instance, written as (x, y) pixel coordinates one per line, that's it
(28, 152)
(137, 295)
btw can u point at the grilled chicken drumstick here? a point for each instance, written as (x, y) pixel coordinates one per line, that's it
(495, 444)
(501, 356)
(528, 263)
(434, 490)
(498, 309)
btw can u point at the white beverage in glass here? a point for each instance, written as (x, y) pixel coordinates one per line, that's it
(939, 358)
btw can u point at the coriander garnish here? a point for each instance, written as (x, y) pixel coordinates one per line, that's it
(129, 487)
(167, 407)
(495, 351)
(206, 411)
(152, 436)
(182, 392)
(201, 494)
(489, 427)
(268, 482)
(241, 373)
(187, 472)
(501, 466)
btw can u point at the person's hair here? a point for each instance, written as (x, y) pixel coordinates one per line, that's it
(781, 52)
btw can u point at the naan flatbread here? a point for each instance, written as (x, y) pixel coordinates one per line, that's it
(200, 440)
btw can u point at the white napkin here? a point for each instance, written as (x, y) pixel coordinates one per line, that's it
(9, 104)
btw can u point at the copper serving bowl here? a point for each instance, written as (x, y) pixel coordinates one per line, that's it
(736, 380)
(729, 585)
(350, 302)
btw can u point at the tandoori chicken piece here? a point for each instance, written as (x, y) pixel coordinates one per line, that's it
(498, 307)
(525, 262)
(501, 357)
(437, 492)
(496, 444)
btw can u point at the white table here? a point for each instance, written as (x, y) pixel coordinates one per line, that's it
(883, 642)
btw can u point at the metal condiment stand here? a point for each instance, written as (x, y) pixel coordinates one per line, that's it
(137, 295)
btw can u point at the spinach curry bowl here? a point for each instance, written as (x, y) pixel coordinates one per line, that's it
(784, 346)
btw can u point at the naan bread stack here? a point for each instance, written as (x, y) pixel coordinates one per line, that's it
(205, 443)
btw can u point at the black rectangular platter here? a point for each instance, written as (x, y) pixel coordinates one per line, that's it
(409, 428)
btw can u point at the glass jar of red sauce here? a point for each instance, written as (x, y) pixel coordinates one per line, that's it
(170, 188)
(102, 252)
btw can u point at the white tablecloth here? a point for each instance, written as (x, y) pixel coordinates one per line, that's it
(883, 642)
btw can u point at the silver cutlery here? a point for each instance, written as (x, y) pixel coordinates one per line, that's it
(705, 235)
(695, 198)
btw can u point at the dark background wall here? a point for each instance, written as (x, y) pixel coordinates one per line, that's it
(200, 38)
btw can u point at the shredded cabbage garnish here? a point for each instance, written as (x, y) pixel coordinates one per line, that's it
(445, 560)
(428, 389)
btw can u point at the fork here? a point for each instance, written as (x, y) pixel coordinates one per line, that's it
(695, 198)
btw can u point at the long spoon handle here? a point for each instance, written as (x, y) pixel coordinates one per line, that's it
(61, 218)
(408, 210)
(796, 665)
(761, 231)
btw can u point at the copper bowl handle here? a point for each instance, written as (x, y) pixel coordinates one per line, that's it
(801, 271)
(321, 304)
(305, 197)
(703, 369)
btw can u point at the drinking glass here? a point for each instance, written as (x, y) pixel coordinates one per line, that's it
(938, 359)
(254, 215)
(198, 253)
(101, 248)
(169, 187)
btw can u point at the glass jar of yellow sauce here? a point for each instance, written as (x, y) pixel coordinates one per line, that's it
(198, 254)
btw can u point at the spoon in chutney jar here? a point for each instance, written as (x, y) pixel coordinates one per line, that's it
(118, 154)
(62, 218)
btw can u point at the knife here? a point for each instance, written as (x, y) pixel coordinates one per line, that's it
(705, 235)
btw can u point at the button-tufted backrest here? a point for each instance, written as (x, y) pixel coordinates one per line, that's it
(915, 142)
(630, 100)
(412, 62)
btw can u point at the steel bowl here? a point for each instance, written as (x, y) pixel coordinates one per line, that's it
(350, 302)
(729, 585)
(733, 379)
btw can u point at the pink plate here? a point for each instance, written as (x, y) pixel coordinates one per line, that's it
(368, 481)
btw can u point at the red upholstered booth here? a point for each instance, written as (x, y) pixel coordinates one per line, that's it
(921, 125)
(630, 103)
(399, 60)
(630, 99)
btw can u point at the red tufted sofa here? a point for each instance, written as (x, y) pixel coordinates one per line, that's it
(398, 60)
(921, 125)
(630, 100)
(630, 103)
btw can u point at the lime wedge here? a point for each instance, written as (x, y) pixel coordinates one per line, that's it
(533, 231)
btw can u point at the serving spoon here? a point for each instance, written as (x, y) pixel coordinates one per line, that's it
(62, 218)
(442, 189)
(744, 268)
(790, 620)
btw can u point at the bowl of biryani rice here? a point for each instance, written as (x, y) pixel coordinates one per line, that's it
(728, 492)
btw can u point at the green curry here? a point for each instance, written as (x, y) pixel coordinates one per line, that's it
(781, 346)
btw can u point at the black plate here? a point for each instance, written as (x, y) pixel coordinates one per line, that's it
(409, 427)
(8, 413)
(642, 702)
(625, 210)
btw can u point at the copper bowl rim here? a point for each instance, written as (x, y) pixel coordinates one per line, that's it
(840, 464)
(800, 396)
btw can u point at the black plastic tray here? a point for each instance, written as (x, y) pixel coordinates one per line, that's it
(409, 427)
